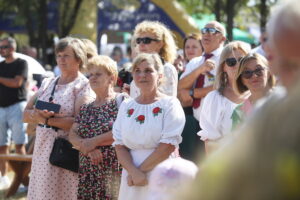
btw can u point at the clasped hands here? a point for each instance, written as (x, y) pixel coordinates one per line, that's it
(137, 178)
(88, 148)
(41, 115)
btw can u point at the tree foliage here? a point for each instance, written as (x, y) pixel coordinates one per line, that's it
(32, 14)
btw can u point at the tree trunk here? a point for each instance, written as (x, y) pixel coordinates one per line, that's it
(230, 17)
(42, 29)
(264, 11)
(218, 10)
(68, 17)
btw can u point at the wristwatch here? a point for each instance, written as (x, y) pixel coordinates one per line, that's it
(191, 92)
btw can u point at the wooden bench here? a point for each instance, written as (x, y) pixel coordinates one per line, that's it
(21, 165)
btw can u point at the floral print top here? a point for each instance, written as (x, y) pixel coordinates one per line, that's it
(98, 181)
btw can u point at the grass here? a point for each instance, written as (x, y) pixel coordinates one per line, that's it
(17, 196)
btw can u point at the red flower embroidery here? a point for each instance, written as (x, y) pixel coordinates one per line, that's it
(156, 110)
(130, 112)
(140, 118)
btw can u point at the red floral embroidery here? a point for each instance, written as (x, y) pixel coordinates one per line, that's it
(140, 118)
(130, 112)
(156, 110)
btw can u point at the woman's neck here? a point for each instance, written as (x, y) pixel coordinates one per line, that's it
(233, 96)
(66, 78)
(149, 97)
(256, 95)
(104, 96)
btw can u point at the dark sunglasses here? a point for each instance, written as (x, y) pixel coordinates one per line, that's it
(210, 30)
(4, 47)
(248, 73)
(145, 40)
(231, 62)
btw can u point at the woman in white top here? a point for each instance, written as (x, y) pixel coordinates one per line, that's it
(147, 129)
(253, 75)
(154, 37)
(216, 114)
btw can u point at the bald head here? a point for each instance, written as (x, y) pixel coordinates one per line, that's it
(219, 26)
(284, 40)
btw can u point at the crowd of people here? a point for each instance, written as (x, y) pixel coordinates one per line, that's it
(218, 122)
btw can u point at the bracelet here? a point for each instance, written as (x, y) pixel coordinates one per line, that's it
(191, 92)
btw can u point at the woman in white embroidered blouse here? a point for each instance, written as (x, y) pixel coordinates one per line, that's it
(216, 117)
(147, 129)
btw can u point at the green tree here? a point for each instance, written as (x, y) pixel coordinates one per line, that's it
(33, 15)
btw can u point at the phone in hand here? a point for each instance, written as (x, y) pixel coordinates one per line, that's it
(44, 105)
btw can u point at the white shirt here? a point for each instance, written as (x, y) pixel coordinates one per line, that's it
(216, 116)
(194, 64)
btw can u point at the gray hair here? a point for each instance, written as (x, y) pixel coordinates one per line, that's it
(288, 11)
(78, 47)
(12, 42)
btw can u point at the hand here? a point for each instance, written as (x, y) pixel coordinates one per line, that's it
(207, 66)
(139, 178)
(129, 180)
(87, 145)
(45, 113)
(95, 156)
(185, 98)
(126, 88)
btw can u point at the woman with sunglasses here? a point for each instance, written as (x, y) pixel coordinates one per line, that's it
(253, 75)
(216, 115)
(154, 37)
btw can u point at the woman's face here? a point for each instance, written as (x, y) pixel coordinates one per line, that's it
(66, 60)
(152, 47)
(231, 64)
(192, 49)
(99, 79)
(255, 76)
(145, 76)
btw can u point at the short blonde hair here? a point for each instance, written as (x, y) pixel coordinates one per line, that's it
(104, 62)
(221, 82)
(238, 84)
(169, 49)
(91, 49)
(78, 47)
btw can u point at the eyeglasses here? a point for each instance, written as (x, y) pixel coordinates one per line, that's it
(4, 47)
(248, 73)
(145, 40)
(210, 30)
(231, 62)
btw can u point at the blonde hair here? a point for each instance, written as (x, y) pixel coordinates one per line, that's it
(152, 59)
(106, 63)
(221, 76)
(238, 84)
(162, 33)
(78, 48)
(91, 49)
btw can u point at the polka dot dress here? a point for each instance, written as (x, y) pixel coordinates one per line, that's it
(46, 180)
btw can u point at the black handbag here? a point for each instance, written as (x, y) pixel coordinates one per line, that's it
(64, 155)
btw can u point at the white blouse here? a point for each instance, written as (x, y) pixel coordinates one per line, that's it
(216, 116)
(144, 126)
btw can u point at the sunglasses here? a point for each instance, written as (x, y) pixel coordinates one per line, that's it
(145, 40)
(4, 47)
(210, 30)
(248, 73)
(231, 62)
